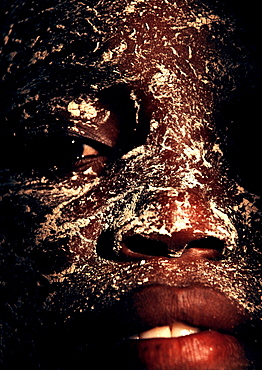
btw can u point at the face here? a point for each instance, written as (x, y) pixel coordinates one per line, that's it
(131, 225)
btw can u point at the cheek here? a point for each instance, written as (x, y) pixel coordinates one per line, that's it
(82, 246)
(81, 220)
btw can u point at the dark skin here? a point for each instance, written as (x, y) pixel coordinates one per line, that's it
(129, 185)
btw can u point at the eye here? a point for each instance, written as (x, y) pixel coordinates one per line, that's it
(88, 150)
(60, 155)
(80, 154)
(79, 150)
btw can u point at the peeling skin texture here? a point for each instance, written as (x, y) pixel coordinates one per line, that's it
(165, 93)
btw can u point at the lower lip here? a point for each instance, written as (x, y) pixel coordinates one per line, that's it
(208, 350)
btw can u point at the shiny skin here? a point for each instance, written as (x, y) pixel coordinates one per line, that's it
(163, 92)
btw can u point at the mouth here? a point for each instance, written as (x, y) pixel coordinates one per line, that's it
(180, 328)
(176, 330)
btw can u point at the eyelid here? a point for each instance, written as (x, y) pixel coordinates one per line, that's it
(92, 137)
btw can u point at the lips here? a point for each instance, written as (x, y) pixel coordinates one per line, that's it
(180, 328)
(207, 350)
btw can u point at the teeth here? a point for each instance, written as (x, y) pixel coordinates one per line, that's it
(178, 329)
(181, 330)
(161, 332)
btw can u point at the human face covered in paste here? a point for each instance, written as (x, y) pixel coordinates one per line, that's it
(130, 226)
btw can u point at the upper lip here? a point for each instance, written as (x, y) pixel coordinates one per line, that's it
(160, 305)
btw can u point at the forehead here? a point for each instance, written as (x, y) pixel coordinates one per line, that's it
(83, 29)
(57, 51)
(136, 39)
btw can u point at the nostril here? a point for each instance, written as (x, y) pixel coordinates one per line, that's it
(210, 242)
(131, 247)
(209, 248)
(136, 246)
(142, 246)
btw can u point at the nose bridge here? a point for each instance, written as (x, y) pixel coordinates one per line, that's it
(176, 151)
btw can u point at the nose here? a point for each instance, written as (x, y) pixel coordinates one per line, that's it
(167, 224)
(175, 205)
